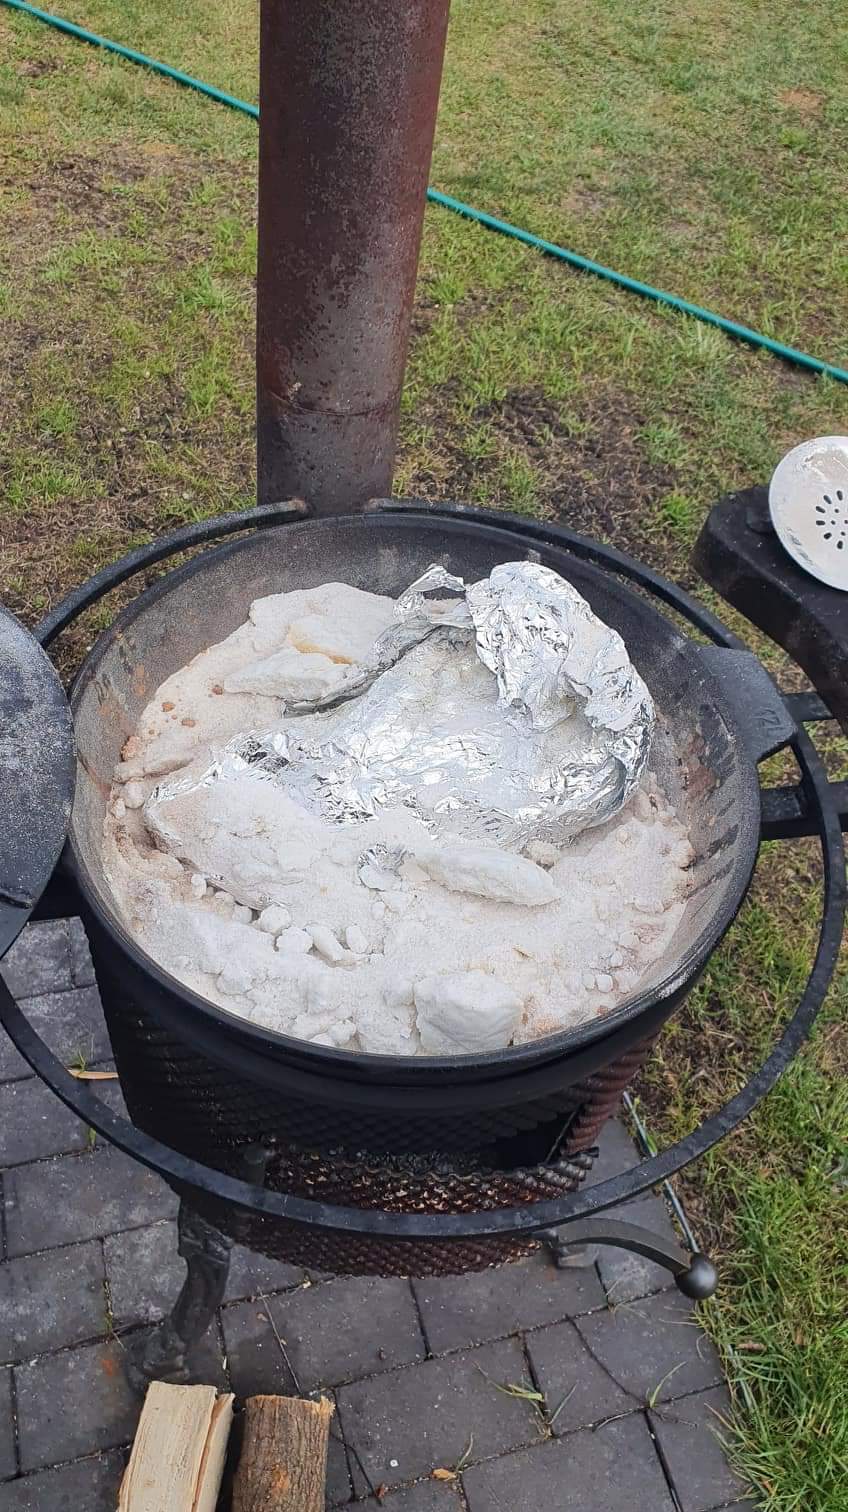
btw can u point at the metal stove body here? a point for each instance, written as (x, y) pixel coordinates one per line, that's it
(348, 107)
(392, 1210)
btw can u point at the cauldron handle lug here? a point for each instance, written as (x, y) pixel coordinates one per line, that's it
(748, 692)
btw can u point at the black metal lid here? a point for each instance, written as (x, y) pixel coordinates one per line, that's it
(36, 774)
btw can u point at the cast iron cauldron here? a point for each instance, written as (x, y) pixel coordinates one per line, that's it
(238, 1082)
(423, 1135)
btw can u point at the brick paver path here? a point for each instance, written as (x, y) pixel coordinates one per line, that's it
(627, 1392)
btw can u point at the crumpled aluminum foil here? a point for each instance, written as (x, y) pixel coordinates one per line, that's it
(418, 612)
(553, 742)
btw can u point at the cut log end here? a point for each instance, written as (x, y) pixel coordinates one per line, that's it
(283, 1464)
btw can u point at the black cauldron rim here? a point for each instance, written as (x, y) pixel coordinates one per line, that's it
(646, 1009)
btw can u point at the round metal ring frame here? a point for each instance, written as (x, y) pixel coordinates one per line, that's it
(528, 1219)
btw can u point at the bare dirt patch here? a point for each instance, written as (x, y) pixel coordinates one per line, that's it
(35, 68)
(593, 474)
(599, 480)
(804, 101)
(62, 197)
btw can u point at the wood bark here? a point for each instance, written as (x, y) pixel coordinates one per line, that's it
(283, 1464)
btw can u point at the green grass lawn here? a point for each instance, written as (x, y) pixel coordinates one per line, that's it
(701, 148)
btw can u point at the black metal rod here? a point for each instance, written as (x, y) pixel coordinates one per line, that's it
(787, 815)
(630, 1236)
(807, 708)
(347, 113)
(694, 1274)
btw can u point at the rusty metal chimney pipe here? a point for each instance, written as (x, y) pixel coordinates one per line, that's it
(348, 97)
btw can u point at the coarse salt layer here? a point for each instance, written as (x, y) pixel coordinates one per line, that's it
(260, 906)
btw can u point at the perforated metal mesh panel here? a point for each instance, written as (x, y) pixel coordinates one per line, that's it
(393, 1165)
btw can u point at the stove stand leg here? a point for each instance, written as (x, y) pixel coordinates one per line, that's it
(161, 1355)
(694, 1275)
(566, 1254)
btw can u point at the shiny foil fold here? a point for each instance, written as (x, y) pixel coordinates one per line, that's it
(503, 711)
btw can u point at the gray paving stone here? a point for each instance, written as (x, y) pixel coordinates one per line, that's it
(34, 1124)
(617, 1152)
(609, 1469)
(625, 1276)
(72, 1404)
(339, 1489)
(109, 1092)
(13, 1067)
(145, 1273)
(51, 1300)
(334, 1332)
(82, 967)
(461, 1310)
(77, 1197)
(578, 1391)
(412, 1421)
(39, 961)
(688, 1434)
(252, 1274)
(254, 1358)
(8, 1464)
(653, 1348)
(89, 1485)
(71, 1023)
(427, 1496)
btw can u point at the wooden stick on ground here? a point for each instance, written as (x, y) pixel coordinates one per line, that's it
(283, 1464)
(178, 1455)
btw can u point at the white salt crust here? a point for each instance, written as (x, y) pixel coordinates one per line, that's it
(258, 905)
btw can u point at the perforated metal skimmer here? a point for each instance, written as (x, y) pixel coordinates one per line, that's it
(808, 499)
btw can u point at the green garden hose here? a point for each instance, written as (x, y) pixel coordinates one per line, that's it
(134, 57)
(491, 222)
